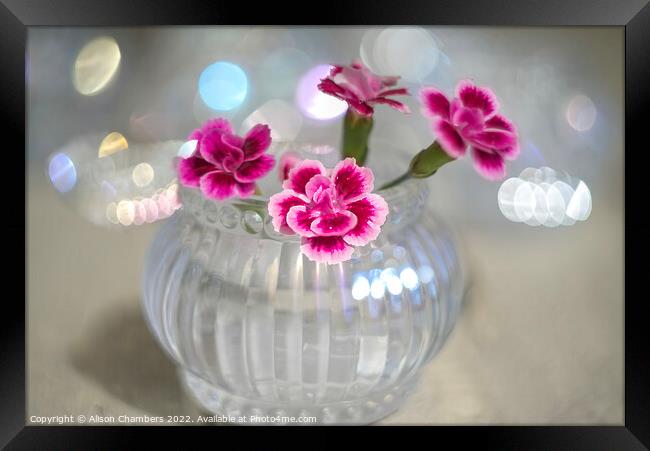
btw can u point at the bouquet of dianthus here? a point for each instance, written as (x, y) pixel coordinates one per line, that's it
(334, 210)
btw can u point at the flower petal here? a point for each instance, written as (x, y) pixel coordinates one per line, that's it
(220, 124)
(510, 153)
(233, 140)
(376, 82)
(473, 96)
(190, 170)
(494, 139)
(360, 107)
(352, 98)
(326, 249)
(218, 185)
(279, 206)
(371, 213)
(389, 80)
(351, 182)
(302, 173)
(489, 165)
(468, 120)
(316, 182)
(359, 81)
(253, 170)
(334, 224)
(245, 189)
(434, 103)
(394, 92)
(328, 86)
(299, 220)
(323, 200)
(196, 134)
(448, 137)
(399, 106)
(335, 69)
(499, 121)
(218, 149)
(256, 141)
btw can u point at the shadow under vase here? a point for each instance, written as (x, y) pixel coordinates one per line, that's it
(121, 356)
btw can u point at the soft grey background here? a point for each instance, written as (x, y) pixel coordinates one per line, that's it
(540, 339)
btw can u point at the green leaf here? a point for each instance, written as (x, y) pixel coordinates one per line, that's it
(428, 161)
(356, 131)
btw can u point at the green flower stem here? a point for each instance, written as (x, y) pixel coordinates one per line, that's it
(423, 165)
(356, 131)
(397, 181)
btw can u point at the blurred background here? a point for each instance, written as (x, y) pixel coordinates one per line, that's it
(540, 339)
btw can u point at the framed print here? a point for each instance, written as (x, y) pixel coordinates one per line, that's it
(418, 216)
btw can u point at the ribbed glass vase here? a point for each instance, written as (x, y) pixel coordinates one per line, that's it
(257, 329)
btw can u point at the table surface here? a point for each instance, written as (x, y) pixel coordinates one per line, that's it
(539, 340)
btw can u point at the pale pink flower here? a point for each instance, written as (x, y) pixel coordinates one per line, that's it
(331, 211)
(225, 165)
(287, 162)
(362, 89)
(471, 120)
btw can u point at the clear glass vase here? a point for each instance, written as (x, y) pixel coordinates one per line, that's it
(257, 329)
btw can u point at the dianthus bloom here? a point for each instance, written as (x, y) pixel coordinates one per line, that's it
(362, 89)
(225, 165)
(471, 120)
(332, 212)
(287, 162)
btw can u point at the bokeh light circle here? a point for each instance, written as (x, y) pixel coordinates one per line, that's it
(410, 52)
(142, 175)
(111, 213)
(125, 212)
(392, 281)
(62, 172)
(377, 288)
(409, 278)
(506, 196)
(524, 201)
(283, 118)
(540, 210)
(360, 288)
(538, 197)
(112, 143)
(188, 148)
(223, 86)
(581, 113)
(555, 205)
(96, 65)
(579, 207)
(312, 102)
(367, 47)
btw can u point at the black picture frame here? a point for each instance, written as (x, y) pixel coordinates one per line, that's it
(634, 15)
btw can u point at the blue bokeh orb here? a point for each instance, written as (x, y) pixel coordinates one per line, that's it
(62, 172)
(223, 86)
